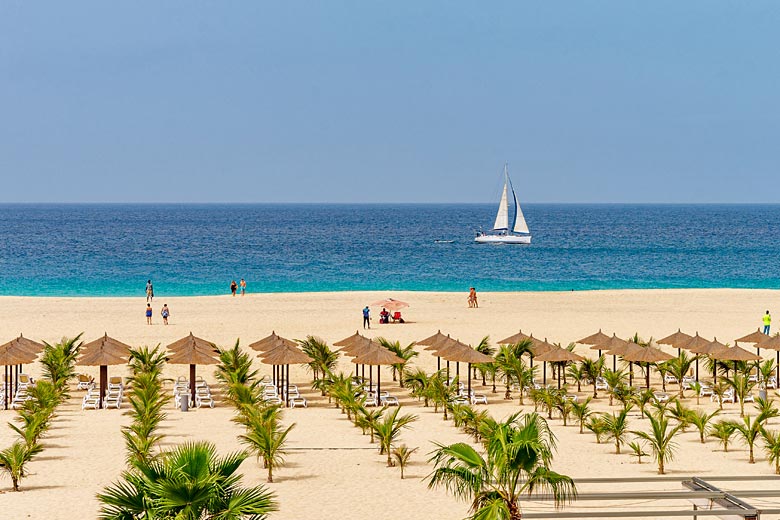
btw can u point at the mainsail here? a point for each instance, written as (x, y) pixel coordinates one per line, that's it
(520, 224)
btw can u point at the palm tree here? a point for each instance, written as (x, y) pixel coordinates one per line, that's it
(406, 353)
(367, 419)
(443, 394)
(267, 439)
(389, 428)
(719, 391)
(701, 420)
(723, 431)
(235, 366)
(190, 482)
(660, 439)
(593, 370)
(766, 409)
(615, 381)
(420, 383)
(679, 368)
(402, 454)
(596, 425)
(742, 386)
(577, 373)
(517, 460)
(642, 399)
(681, 414)
(582, 411)
(638, 450)
(59, 362)
(323, 359)
(13, 460)
(772, 448)
(697, 389)
(616, 427)
(485, 369)
(147, 360)
(749, 431)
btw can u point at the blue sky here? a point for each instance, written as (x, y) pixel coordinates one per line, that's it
(391, 101)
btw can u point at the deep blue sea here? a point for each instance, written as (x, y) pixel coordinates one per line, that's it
(198, 249)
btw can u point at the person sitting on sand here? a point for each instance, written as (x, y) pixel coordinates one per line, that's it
(165, 313)
(384, 316)
(148, 313)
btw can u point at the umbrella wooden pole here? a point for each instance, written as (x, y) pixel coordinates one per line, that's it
(287, 387)
(630, 373)
(559, 376)
(457, 370)
(532, 359)
(370, 376)
(777, 368)
(647, 375)
(7, 391)
(103, 383)
(378, 384)
(697, 368)
(438, 363)
(192, 383)
(469, 382)
(448, 371)
(544, 374)
(614, 363)
(363, 372)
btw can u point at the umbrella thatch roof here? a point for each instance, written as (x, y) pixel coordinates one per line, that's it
(611, 344)
(285, 355)
(19, 351)
(449, 348)
(559, 355)
(735, 353)
(191, 350)
(540, 347)
(431, 340)
(270, 342)
(349, 340)
(104, 351)
(696, 343)
(514, 338)
(594, 339)
(646, 355)
(623, 349)
(678, 340)
(754, 337)
(466, 354)
(771, 342)
(360, 347)
(379, 356)
(709, 348)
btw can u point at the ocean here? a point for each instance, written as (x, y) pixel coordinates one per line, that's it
(192, 249)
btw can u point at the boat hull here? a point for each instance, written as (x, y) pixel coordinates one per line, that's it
(503, 239)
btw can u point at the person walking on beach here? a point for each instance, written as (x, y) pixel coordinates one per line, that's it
(242, 284)
(233, 287)
(366, 317)
(165, 313)
(148, 313)
(767, 322)
(149, 291)
(473, 298)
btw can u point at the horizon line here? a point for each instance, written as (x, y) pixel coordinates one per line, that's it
(379, 203)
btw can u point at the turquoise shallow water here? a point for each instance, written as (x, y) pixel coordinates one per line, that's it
(101, 250)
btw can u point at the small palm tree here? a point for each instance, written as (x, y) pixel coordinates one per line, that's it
(582, 411)
(420, 384)
(596, 425)
(593, 369)
(367, 419)
(443, 394)
(772, 448)
(679, 368)
(267, 439)
(750, 431)
(401, 456)
(13, 460)
(723, 431)
(389, 428)
(616, 427)
(701, 420)
(615, 381)
(642, 399)
(147, 360)
(697, 389)
(59, 362)
(323, 359)
(766, 409)
(235, 366)
(576, 372)
(719, 391)
(486, 369)
(742, 386)
(638, 451)
(660, 439)
(406, 353)
(517, 460)
(190, 482)
(681, 414)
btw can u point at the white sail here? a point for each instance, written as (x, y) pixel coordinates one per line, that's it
(520, 224)
(502, 217)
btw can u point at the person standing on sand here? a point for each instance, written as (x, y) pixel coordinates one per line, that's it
(242, 284)
(366, 317)
(165, 313)
(473, 298)
(149, 291)
(767, 322)
(148, 313)
(233, 287)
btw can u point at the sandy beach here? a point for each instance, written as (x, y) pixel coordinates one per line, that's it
(332, 469)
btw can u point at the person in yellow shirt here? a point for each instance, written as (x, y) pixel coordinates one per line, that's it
(767, 322)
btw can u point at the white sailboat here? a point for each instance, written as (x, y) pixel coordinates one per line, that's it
(502, 233)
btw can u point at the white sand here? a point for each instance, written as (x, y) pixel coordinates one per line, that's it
(332, 469)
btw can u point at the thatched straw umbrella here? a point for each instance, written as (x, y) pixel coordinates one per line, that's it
(754, 337)
(646, 355)
(13, 355)
(735, 353)
(773, 343)
(695, 345)
(358, 347)
(676, 340)
(514, 339)
(612, 344)
(559, 355)
(102, 352)
(595, 339)
(269, 343)
(377, 357)
(538, 348)
(283, 356)
(432, 343)
(192, 351)
(707, 350)
(466, 354)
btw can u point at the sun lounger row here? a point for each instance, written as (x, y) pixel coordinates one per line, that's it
(383, 399)
(271, 395)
